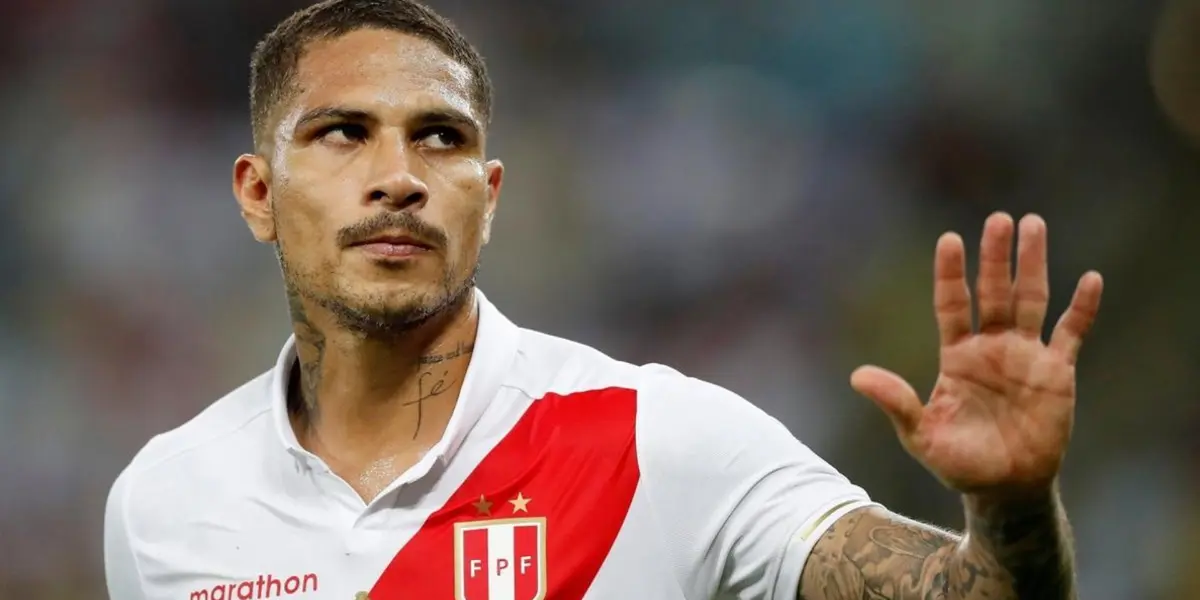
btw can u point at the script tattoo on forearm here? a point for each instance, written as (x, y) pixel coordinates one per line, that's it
(310, 370)
(872, 554)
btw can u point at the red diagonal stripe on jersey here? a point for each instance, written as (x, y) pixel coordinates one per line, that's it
(575, 458)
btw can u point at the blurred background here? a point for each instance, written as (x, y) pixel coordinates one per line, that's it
(747, 191)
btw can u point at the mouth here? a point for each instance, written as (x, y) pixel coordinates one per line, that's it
(393, 246)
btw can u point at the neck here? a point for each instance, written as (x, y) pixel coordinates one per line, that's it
(355, 395)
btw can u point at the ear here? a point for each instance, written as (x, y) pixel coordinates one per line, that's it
(495, 178)
(251, 187)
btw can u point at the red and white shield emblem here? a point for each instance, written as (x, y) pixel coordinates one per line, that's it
(501, 559)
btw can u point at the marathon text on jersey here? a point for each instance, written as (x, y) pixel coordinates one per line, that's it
(266, 586)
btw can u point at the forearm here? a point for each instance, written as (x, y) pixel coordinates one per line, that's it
(1027, 542)
(1015, 551)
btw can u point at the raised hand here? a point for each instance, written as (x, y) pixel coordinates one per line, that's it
(1000, 415)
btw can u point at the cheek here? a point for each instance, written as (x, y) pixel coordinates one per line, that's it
(469, 221)
(309, 193)
(304, 226)
(466, 187)
(466, 176)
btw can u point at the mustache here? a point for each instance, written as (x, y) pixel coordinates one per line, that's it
(390, 222)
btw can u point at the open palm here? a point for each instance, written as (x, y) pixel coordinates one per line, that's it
(1000, 415)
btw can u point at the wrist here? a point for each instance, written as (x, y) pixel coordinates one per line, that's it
(1026, 536)
(995, 522)
(1015, 501)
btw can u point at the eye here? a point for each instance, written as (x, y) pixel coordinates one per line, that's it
(440, 138)
(343, 134)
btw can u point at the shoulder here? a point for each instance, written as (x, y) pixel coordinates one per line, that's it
(694, 430)
(184, 467)
(728, 488)
(697, 406)
(681, 420)
(547, 364)
(222, 419)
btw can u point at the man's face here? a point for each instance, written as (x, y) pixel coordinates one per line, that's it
(378, 195)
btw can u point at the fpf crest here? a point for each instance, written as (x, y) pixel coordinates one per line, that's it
(500, 559)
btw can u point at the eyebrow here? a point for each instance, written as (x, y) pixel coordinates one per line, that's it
(446, 116)
(331, 113)
(425, 118)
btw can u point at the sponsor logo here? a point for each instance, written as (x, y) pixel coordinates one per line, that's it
(266, 586)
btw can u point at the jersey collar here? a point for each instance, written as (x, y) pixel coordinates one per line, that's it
(496, 341)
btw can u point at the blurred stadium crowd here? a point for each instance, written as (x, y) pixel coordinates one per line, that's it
(747, 191)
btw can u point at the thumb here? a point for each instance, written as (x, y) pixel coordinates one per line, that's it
(894, 395)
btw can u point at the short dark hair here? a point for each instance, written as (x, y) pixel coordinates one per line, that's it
(277, 57)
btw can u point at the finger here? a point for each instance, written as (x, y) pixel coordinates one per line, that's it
(1077, 321)
(993, 287)
(951, 296)
(1031, 293)
(892, 394)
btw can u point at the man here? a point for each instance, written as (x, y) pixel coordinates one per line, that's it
(412, 443)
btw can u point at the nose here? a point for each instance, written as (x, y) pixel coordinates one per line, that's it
(395, 183)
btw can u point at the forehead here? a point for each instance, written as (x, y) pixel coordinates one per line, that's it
(381, 69)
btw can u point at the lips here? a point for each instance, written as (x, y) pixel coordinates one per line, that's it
(393, 240)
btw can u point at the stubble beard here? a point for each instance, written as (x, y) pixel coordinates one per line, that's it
(380, 318)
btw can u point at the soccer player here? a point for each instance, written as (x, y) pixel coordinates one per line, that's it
(411, 443)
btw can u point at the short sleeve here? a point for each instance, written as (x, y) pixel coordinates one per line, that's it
(739, 499)
(120, 564)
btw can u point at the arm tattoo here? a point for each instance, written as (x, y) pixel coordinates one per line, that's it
(871, 554)
(310, 370)
(1033, 543)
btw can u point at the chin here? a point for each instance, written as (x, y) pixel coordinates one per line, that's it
(383, 319)
(396, 310)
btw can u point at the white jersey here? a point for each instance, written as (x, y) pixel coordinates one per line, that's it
(562, 474)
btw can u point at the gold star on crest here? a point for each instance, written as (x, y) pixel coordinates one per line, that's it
(362, 596)
(483, 506)
(519, 503)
